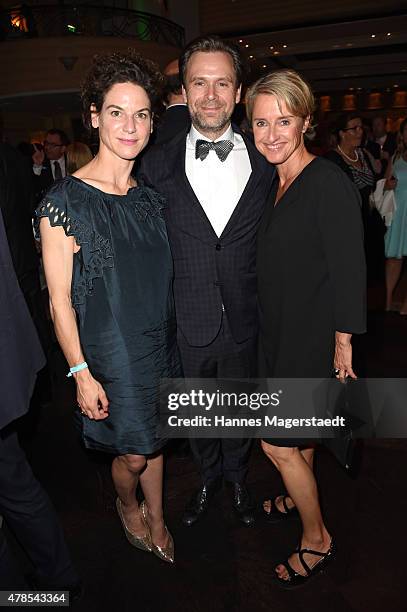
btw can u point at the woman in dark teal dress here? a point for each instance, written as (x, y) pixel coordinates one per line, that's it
(109, 273)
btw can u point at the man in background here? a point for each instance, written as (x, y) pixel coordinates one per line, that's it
(176, 117)
(383, 144)
(49, 162)
(24, 505)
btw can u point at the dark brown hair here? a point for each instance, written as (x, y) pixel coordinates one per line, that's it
(211, 44)
(107, 70)
(62, 136)
(341, 122)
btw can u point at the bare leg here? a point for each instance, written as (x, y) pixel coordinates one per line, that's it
(393, 271)
(403, 309)
(151, 481)
(125, 473)
(301, 486)
(308, 454)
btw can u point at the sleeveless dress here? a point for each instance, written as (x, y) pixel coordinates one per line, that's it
(122, 295)
(395, 239)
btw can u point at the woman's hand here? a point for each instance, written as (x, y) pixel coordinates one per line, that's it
(90, 395)
(391, 183)
(343, 356)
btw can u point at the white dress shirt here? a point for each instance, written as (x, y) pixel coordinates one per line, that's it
(218, 185)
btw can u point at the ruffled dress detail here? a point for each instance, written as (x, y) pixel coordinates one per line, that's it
(122, 294)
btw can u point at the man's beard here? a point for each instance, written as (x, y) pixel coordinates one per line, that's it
(214, 124)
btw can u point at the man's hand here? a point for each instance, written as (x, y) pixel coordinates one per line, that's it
(38, 156)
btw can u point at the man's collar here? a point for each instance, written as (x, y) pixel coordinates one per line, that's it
(176, 104)
(60, 160)
(195, 135)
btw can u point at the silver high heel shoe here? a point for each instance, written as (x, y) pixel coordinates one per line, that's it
(140, 542)
(165, 553)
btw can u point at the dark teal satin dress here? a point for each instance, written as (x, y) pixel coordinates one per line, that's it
(122, 294)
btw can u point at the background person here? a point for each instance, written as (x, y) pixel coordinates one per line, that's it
(311, 290)
(109, 272)
(359, 166)
(77, 155)
(396, 235)
(381, 144)
(175, 118)
(49, 162)
(24, 504)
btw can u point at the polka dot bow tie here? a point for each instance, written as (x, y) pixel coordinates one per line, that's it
(222, 149)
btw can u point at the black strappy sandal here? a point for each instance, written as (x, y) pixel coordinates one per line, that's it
(297, 580)
(275, 515)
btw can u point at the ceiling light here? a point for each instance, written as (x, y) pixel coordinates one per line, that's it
(247, 46)
(388, 33)
(251, 56)
(351, 88)
(373, 36)
(240, 40)
(284, 46)
(264, 66)
(271, 47)
(276, 52)
(395, 85)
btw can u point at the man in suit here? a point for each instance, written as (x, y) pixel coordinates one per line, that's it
(176, 117)
(383, 144)
(16, 203)
(24, 505)
(49, 163)
(216, 185)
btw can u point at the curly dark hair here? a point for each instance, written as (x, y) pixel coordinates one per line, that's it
(120, 67)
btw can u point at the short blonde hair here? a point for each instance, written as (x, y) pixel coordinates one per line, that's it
(77, 155)
(287, 86)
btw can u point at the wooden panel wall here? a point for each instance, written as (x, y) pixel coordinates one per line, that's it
(246, 15)
(32, 65)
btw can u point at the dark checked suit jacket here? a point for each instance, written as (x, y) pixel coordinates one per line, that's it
(210, 271)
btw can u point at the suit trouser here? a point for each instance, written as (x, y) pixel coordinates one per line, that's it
(223, 358)
(29, 514)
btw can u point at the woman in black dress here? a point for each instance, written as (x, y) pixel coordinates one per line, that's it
(109, 273)
(311, 289)
(364, 171)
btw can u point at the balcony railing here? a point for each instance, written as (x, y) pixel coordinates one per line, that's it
(84, 20)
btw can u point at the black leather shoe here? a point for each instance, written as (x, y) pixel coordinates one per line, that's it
(242, 504)
(199, 502)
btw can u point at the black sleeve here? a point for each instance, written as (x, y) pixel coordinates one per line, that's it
(340, 224)
(147, 169)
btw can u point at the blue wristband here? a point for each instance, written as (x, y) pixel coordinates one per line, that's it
(77, 368)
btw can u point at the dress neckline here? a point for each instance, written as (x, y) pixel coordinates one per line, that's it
(106, 193)
(276, 204)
